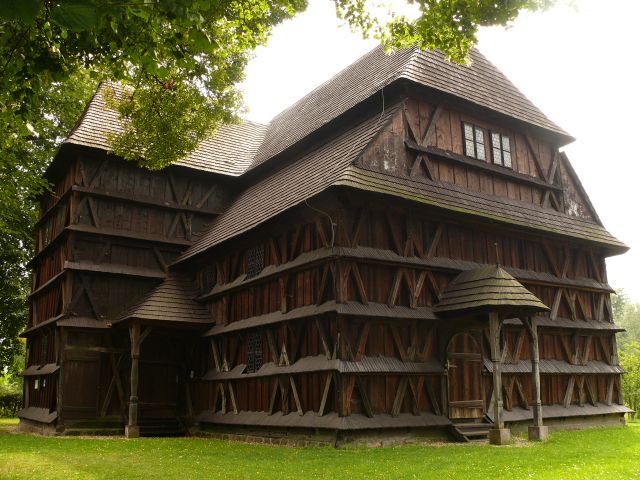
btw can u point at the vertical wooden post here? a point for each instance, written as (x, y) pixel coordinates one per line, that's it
(537, 431)
(132, 430)
(497, 435)
(60, 387)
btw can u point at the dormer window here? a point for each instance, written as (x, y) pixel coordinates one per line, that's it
(473, 141)
(501, 149)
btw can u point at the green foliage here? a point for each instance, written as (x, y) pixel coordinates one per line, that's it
(28, 142)
(450, 26)
(629, 358)
(10, 396)
(627, 315)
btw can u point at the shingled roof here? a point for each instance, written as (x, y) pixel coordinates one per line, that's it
(172, 301)
(235, 149)
(480, 83)
(332, 164)
(229, 151)
(488, 288)
(292, 184)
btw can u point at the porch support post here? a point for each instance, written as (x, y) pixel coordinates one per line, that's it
(537, 431)
(132, 430)
(498, 435)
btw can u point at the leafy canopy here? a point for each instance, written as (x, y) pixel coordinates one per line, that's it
(178, 61)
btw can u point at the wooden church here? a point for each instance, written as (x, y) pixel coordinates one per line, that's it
(403, 253)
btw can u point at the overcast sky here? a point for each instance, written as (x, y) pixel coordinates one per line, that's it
(577, 64)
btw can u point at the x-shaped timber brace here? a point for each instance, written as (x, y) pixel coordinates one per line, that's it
(423, 163)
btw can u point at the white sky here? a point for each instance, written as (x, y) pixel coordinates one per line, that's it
(577, 64)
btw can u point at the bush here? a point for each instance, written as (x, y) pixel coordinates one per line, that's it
(10, 397)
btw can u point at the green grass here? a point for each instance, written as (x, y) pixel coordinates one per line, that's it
(606, 453)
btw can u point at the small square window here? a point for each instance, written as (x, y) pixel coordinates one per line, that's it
(501, 149)
(473, 141)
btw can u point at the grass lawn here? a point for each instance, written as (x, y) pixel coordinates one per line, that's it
(607, 453)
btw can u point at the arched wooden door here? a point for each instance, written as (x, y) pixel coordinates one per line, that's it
(464, 361)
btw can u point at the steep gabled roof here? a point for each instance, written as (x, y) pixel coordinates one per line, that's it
(234, 149)
(332, 164)
(480, 83)
(172, 301)
(228, 152)
(291, 185)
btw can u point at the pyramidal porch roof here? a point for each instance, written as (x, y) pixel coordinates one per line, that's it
(485, 289)
(172, 303)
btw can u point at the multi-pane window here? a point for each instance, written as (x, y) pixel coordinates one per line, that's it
(254, 352)
(501, 149)
(255, 260)
(473, 141)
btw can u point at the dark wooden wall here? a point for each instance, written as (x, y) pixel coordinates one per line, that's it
(107, 233)
(399, 257)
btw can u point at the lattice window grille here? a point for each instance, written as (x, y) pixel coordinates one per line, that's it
(254, 352)
(473, 141)
(501, 149)
(255, 260)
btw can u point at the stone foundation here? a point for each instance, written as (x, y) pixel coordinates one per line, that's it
(319, 437)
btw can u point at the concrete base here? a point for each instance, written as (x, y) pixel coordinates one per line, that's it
(499, 436)
(538, 434)
(132, 431)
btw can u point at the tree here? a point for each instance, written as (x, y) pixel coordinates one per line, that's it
(179, 62)
(630, 360)
(627, 315)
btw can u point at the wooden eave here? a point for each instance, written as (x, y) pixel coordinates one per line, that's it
(481, 165)
(330, 421)
(42, 415)
(48, 284)
(566, 323)
(53, 207)
(113, 269)
(104, 268)
(45, 323)
(518, 414)
(37, 370)
(388, 257)
(372, 310)
(558, 367)
(139, 200)
(66, 320)
(457, 200)
(114, 233)
(320, 363)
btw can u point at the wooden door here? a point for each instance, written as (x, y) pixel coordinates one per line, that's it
(464, 360)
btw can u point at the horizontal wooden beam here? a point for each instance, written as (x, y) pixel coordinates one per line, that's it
(389, 257)
(45, 286)
(144, 201)
(320, 363)
(112, 232)
(115, 269)
(372, 310)
(482, 165)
